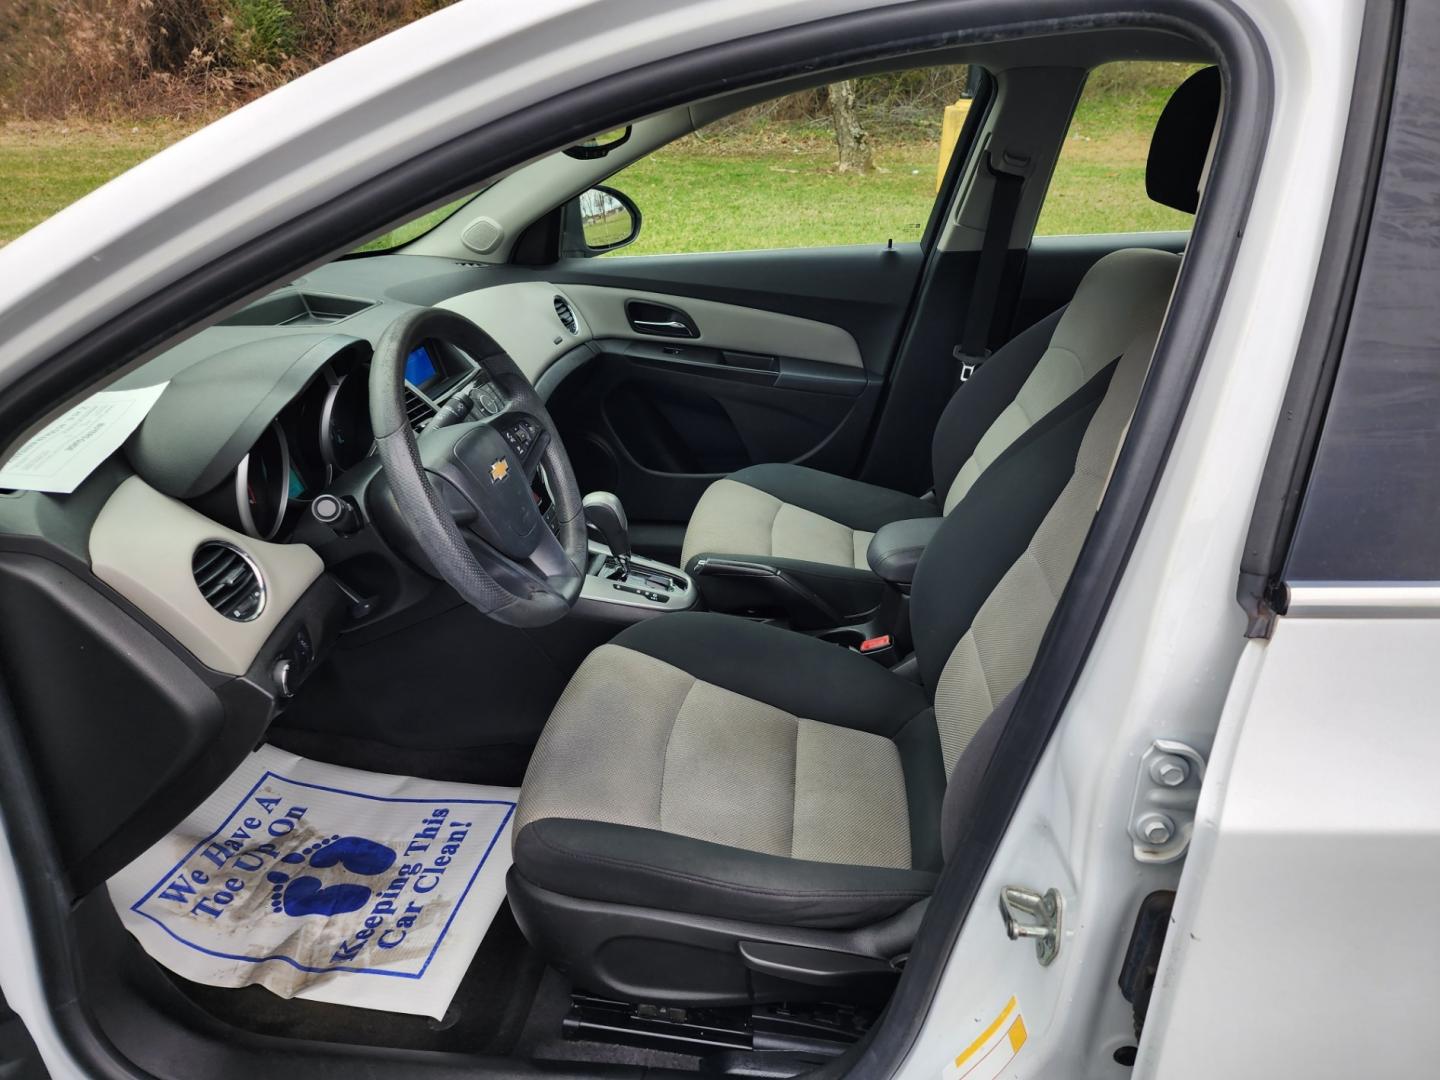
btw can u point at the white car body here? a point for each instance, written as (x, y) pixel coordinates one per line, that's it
(1283, 936)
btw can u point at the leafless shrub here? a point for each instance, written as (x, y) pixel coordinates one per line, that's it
(105, 59)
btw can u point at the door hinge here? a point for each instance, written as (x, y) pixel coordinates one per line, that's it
(1167, 790)
(1033, 915)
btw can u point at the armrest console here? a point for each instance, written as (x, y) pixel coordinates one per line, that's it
(896, 549)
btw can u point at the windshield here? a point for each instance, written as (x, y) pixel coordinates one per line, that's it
(413, 230)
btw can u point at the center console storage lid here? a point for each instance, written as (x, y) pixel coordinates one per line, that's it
(896, 548)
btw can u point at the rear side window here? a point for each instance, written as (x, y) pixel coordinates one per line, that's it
(1099, 180)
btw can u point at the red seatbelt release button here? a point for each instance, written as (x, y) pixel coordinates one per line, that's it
(875, 644)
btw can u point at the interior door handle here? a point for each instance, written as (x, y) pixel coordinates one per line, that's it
(667, 327)
(659, 320)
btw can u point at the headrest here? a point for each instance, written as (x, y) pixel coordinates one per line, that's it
(1181, 143)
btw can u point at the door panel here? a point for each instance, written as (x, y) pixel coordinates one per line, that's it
(657, 423)
(785, 364)
(626, 312)
(861, 289)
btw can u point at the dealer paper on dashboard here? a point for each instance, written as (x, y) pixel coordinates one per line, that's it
(325, 883)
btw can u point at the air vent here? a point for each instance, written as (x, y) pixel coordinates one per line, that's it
(417, 409)
(228, 580)
(562, 308)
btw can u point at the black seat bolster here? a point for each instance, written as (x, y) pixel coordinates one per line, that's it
(800, 674)
(622, 864)
(923, 763)
(980, 540)
(853, 503)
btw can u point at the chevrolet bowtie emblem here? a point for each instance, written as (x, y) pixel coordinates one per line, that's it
(499, 470)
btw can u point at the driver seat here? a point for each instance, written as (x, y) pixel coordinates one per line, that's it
(721, 811)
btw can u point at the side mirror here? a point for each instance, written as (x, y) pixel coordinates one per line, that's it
(599, 220)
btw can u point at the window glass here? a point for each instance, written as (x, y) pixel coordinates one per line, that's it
(1099, 181)
(852, 163)
(413, 230)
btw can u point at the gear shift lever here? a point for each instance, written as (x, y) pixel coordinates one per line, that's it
(604, 512)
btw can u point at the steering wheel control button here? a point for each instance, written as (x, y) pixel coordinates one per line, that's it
(487, 400)
(336, 512)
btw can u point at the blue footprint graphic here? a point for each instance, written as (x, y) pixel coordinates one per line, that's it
(309, 895)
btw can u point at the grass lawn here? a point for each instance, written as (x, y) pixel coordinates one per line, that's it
(768, 185)
(44, 167)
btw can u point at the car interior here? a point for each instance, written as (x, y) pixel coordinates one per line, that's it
(729, 565)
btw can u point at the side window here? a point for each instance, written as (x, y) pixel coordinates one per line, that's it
(1099, 180)
(851, 163)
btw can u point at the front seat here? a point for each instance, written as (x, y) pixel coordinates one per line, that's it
(815, 527)
(721, 811)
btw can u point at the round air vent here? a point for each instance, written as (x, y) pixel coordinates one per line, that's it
(567, 316)
(229, 581)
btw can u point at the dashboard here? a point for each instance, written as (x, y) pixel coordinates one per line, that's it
(262, 412)
(202, 522)
(324, 431)
(270, 407)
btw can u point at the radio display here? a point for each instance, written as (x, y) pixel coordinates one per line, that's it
(420, 367)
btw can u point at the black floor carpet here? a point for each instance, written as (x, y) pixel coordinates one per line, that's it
(501, 765)
(487, 1016)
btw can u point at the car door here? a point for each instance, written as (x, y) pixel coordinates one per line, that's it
(1327, 808)
(19, 1058)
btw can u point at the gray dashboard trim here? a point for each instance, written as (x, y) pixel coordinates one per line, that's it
(141, 546)
(213, 411)
(520, 317)
(722, 326)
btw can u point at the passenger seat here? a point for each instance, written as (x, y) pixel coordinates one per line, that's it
(814, 528)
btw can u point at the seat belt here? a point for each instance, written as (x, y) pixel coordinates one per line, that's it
(974, 349)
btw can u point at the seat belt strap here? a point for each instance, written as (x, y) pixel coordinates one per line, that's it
(974, 347)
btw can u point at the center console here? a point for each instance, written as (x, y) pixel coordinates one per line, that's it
(638, 583)
(622, 586)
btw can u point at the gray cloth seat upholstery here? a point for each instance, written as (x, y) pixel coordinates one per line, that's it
(706, 782)
(805, 778)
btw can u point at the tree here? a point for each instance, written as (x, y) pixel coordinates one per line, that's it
(849, 135)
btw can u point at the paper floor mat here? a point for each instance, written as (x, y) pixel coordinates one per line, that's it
(325, 883)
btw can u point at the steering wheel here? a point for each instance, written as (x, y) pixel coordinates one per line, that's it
(463, 491)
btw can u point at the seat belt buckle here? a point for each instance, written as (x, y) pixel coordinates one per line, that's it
(969, 363)
(875, 644)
